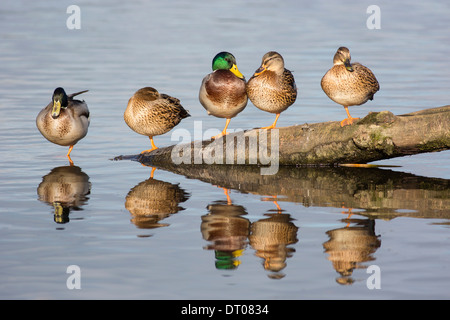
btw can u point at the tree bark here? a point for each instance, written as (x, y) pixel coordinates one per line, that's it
(379, 135)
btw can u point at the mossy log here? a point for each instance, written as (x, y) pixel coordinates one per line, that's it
(379, 135)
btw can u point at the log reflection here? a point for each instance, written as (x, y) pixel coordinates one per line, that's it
(380, 193)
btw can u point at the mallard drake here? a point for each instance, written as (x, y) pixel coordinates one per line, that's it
(349, 84)
(222, 92)
(64, 121)
(151, 113)
(272, 88)
(65, 188)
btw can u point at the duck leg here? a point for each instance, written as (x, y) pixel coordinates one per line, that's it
(68, 155)
(224, 131)
(272, 126)
(152, 173)
(275, 202)
(70, 150)
(227, 193)
(349, 120)
(153, 146)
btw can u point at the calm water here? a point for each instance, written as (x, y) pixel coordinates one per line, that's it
(330, 225)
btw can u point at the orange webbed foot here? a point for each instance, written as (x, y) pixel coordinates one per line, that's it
(149, 150)
(348, 121)
(220, 135)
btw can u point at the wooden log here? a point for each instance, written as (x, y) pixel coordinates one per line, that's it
(379, 135)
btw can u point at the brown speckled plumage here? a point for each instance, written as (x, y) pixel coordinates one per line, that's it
(151, 113)
(69, 127)
(272, 88)
(153, 200)
(349, 84)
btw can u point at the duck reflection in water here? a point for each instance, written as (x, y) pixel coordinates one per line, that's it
(227, 231)
(153, 200)
(350, 246)
(271, 237)
(65, 188)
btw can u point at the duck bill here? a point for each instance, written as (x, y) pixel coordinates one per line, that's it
(236, 72)
(58, 209)
(259, 71)
(56, 110)
(348, 65)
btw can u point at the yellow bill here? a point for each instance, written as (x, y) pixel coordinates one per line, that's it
(236, 71)
(56, 110)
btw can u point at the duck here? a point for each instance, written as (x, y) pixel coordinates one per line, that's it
(151, 113)
(349, 84)
(272, 87)
(222, 92)
(65, 188)
(153, 200)
(64, 121)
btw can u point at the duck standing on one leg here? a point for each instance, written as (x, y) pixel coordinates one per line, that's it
(222, 92)
(272, 88)
(349, 84)
(151, 113)
(64, 121)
